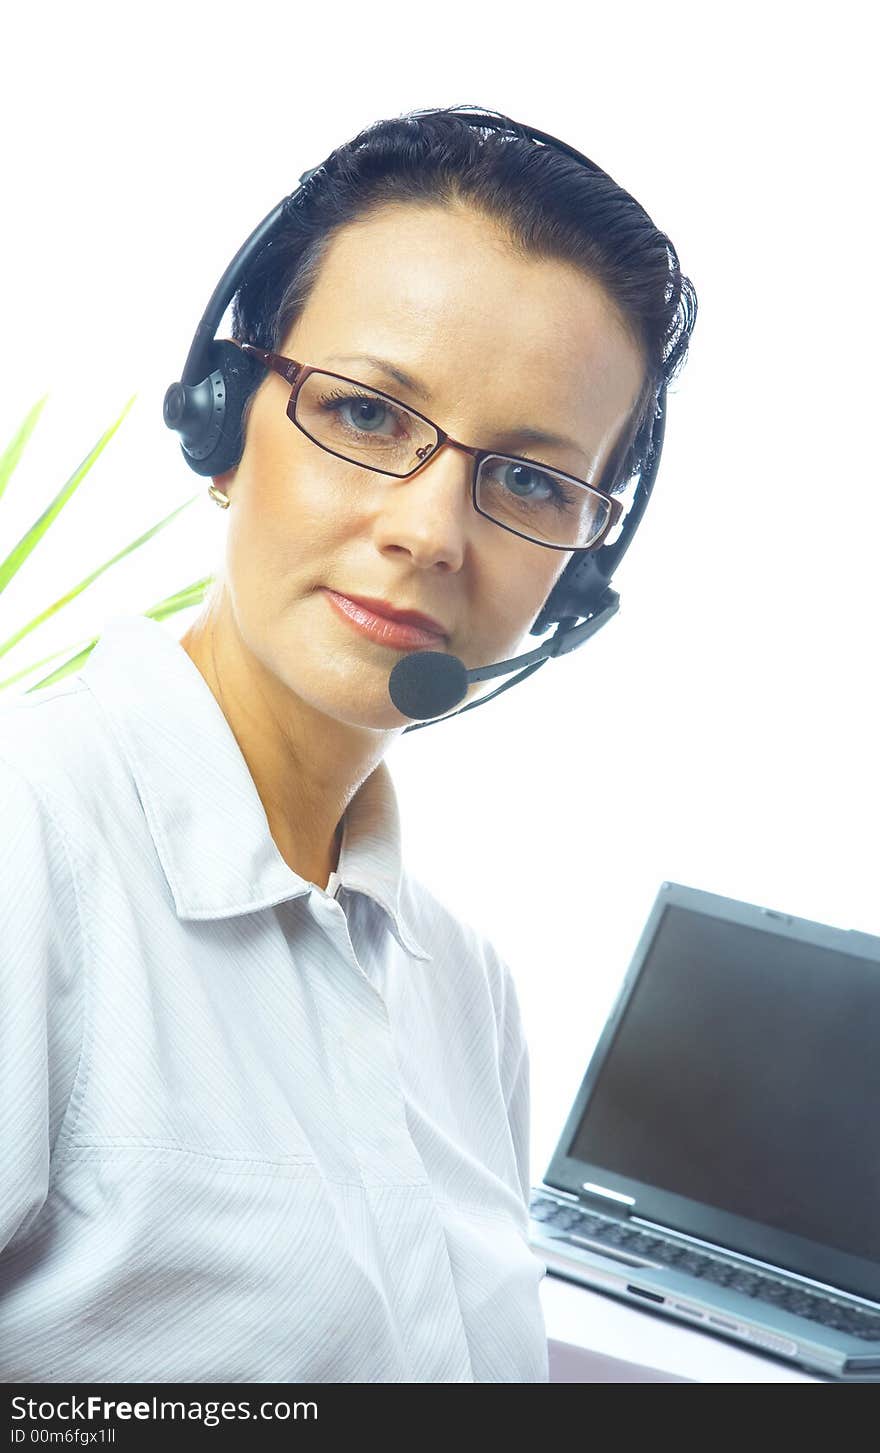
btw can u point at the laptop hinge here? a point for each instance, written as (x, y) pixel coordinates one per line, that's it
(605, 1199)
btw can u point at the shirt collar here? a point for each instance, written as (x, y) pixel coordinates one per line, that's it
(200, 800)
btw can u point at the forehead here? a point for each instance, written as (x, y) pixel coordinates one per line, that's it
(440, 292)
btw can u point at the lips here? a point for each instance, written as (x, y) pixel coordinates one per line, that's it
(392, 613)
(402, 630)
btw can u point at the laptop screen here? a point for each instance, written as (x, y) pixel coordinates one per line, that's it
(745, 1074)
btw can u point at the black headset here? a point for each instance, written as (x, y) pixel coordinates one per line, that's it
(206, 410)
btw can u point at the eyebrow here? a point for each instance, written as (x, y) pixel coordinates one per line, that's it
(525, 435)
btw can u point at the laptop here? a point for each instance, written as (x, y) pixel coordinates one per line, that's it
(720, 1164)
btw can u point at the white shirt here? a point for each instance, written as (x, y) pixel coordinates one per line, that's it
(250, 1131)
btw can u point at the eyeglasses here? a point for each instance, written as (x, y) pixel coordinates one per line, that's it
(367, 427)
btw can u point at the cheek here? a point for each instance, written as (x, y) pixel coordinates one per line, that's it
(294, 510)
(518, 587)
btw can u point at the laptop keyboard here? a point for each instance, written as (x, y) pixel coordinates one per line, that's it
(816, 1306)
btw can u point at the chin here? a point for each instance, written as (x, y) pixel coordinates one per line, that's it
(368, 707)
(386, 719)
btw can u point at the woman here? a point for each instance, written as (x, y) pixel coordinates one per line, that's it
(267, 1097)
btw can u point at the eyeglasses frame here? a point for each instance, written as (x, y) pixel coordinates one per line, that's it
(296, 373)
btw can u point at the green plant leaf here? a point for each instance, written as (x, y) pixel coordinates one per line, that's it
(183, 599)
(14, 450)
(28, 543)
(83, 585)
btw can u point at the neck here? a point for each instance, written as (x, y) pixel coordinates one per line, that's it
(305, 765)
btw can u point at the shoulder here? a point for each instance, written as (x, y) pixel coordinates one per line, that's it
(37, 750)
(42, 963)
(38, 730)
(57, 741)
(57, 772)
(41, 940)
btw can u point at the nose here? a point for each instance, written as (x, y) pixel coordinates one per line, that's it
(427, 516)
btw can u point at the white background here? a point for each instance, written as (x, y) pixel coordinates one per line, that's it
(722, 730)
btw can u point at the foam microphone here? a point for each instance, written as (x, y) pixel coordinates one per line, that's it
(426, 684)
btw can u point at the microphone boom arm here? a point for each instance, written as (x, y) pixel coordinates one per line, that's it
(567, 637)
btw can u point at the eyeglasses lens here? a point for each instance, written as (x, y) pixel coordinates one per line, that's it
(539, 503)
(351, 420)
(363, 426)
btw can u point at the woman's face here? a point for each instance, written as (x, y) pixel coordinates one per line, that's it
(497, 343)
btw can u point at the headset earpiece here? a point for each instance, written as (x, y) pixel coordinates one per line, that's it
(208, 415)
(577, 592)
(582, 588)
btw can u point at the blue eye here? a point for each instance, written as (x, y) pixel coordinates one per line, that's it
(364, 412)
(527, 483)
(361, 413)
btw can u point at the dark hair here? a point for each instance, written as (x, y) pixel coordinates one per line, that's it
(549, 204)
